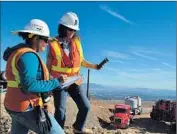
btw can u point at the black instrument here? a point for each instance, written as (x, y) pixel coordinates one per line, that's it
(102, 63)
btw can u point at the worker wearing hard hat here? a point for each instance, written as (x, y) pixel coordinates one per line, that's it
(66, 57)
(28, 78)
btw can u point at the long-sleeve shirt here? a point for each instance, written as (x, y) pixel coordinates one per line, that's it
(30, 71)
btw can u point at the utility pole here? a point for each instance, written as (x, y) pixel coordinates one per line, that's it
(88, 83)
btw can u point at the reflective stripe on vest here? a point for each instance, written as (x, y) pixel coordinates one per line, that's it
(57, 51)
(21, 101)
(16, 82)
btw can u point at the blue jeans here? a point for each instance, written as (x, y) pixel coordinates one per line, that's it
(79, 96)
(22, 122)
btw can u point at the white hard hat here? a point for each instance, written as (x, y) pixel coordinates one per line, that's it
(37, 27)
(70, 20)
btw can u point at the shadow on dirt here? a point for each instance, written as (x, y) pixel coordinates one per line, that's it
(111, 110)
(143, 124)
(152, 126)
(105, 124)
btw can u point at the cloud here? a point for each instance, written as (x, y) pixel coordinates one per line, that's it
(155, 69)
(112, 69)
(143, 56)
(144, 50)
(115, 55)
(135, 70)
(168, 65)
(148, 77)
(156, 78)
(139, 71)
(116, 61)
(150, 52)
(117, 15)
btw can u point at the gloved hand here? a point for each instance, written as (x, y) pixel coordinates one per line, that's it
(43, 120)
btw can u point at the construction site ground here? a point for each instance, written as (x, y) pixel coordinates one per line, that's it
(99, 119)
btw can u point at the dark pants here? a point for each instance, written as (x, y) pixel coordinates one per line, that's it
(79, 96)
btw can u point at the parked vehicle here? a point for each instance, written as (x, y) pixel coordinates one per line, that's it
(135, 104)
(122, 116)
(164, 110)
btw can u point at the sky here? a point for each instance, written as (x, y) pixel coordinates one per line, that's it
(139, 38)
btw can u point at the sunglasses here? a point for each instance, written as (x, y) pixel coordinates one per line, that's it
(45, 39)
(71, 30)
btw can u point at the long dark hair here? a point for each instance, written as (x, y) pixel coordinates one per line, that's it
(62, 31)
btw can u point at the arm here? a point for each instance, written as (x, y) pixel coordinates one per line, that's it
(28, 75)
(85, 63)
(88, 64)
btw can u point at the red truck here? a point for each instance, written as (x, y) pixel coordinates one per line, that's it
(122, 116)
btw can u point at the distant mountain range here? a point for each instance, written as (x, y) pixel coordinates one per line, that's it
(94, 86)
(110, 92)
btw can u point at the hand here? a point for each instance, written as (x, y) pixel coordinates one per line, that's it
(46, 96)
(98, 67)
(95, 66)
(63, 78)
(49, 108)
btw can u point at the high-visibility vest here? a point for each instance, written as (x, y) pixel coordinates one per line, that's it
(63, 64)
(15, 99)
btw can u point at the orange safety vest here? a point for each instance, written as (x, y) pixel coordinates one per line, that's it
(63, 64)
(15, 99)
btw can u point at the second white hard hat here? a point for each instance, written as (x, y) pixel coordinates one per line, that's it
(70, 20)
(37, 27)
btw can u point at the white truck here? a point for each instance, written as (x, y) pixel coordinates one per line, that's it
(135, 104)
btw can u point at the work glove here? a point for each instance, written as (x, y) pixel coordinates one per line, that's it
(43, 120)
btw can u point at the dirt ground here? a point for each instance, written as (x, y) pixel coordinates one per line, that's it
(99, 119)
